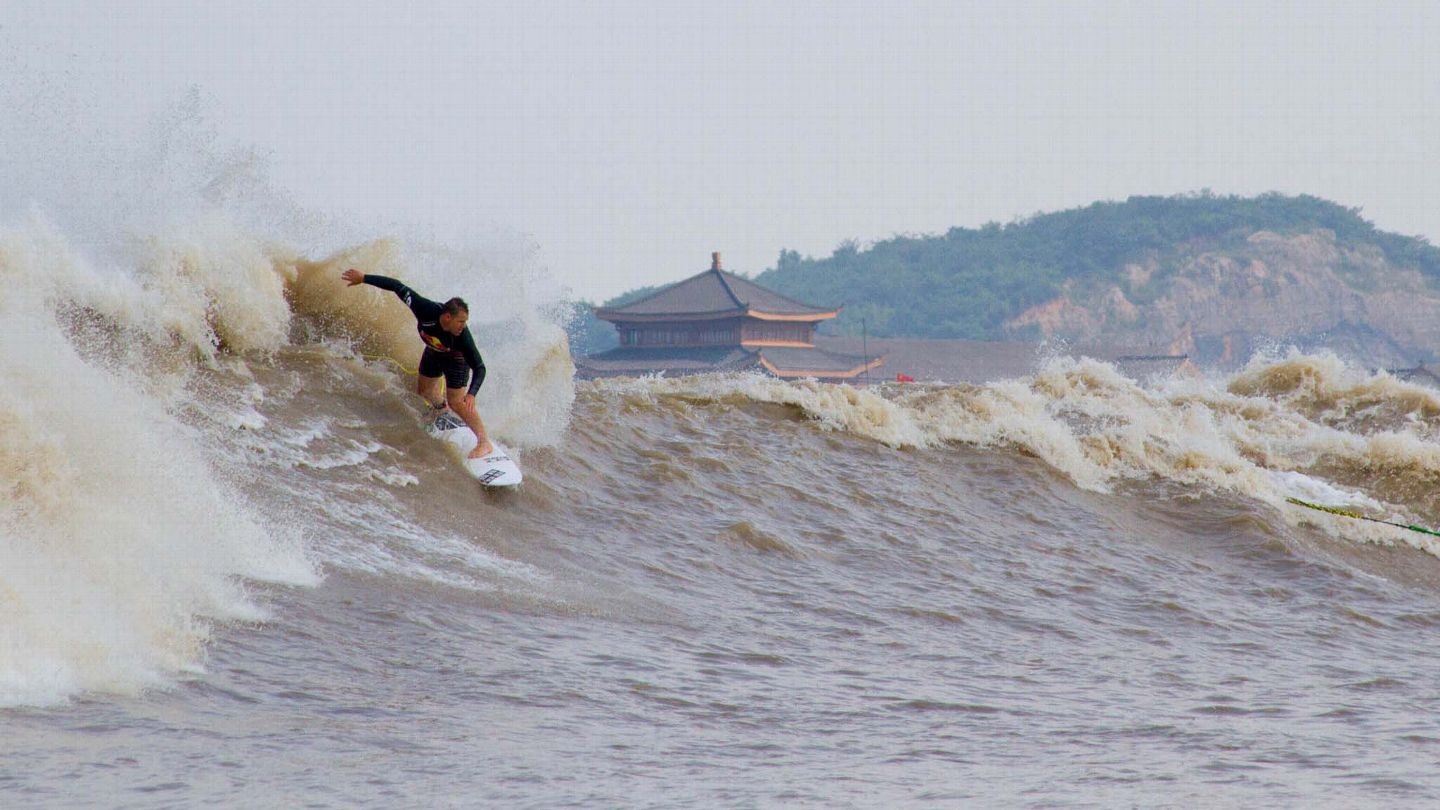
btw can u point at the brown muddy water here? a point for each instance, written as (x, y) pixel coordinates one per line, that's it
(253, 581)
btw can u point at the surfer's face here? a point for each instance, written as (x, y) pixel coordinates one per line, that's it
(454, 324)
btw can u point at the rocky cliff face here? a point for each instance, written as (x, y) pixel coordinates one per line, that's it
(1220, 305)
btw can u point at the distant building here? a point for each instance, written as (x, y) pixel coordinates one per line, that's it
(718, 321)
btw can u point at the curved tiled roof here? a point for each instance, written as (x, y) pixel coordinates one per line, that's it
(709, 293)
(817, 361)
(769, 301)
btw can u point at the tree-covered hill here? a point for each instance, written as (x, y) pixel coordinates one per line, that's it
(969, 282)
(1202, 274)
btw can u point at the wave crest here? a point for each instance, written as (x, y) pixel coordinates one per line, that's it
(1260, 433)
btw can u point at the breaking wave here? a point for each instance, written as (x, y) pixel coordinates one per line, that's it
(140, 337)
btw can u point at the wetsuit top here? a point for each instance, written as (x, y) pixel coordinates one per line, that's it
(427, 322)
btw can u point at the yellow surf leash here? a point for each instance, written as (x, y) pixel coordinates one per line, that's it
(392, 361)
(1335, 510)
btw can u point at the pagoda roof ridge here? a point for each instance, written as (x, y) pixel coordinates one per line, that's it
(716, 292)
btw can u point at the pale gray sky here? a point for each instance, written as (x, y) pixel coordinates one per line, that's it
(632, 138)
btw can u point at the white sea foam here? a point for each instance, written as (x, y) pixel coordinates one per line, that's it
(118, 544)
(394, 479)
(1272, 431)
(129, 264)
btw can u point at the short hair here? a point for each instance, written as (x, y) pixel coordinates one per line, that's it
(455, 306)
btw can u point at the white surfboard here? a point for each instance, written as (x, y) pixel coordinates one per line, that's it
(495, 470)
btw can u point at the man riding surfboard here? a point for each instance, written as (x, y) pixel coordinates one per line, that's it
(450, 354)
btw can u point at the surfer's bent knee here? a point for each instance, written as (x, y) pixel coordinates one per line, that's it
(456, 398)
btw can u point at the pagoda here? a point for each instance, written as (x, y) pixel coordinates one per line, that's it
(717, 321)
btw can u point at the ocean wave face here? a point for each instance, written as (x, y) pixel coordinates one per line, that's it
(126, 480)
(221, 514)
(239, 522)
(144, 333)
(234, 569)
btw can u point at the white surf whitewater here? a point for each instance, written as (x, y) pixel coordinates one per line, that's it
(235, 571)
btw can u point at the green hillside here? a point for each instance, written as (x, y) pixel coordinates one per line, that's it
(967, 282)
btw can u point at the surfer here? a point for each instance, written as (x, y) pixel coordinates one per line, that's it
(449, 353)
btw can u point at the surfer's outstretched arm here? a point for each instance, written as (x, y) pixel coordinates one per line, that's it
(419, 304)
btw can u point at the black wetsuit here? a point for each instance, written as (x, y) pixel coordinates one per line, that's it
(451, 356)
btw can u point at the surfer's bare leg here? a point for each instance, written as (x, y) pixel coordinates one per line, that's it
(429, 388)
(463, 404)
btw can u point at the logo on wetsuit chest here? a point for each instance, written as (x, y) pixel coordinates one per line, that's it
(431, 340)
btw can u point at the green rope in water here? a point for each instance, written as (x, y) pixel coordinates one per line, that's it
(1350, 513)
